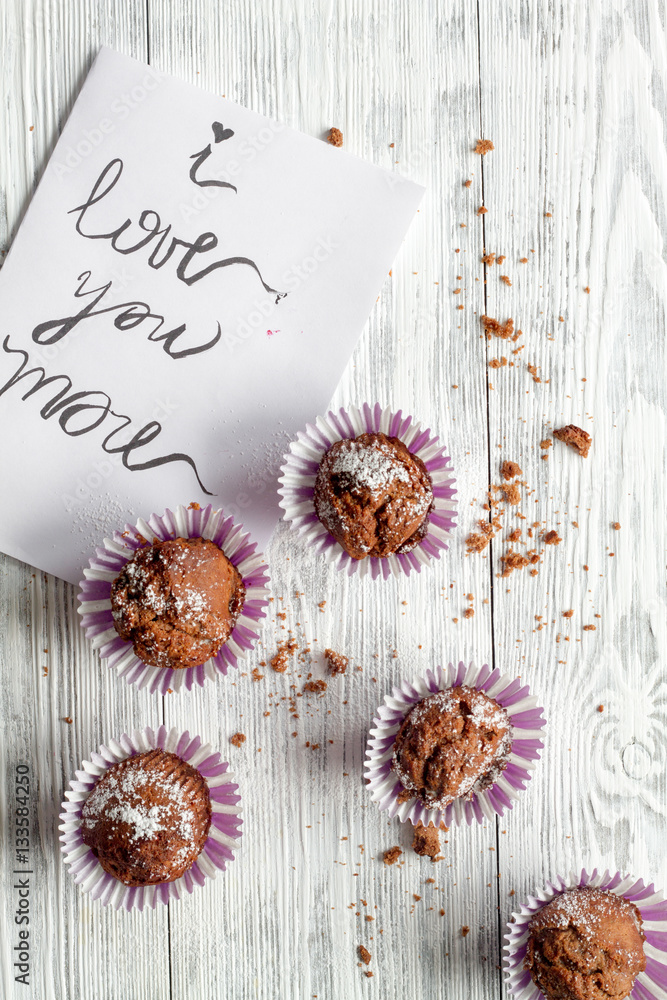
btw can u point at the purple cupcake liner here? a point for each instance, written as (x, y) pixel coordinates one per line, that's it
(299, 472)
(649, 985)
(106, 564)
(223, 838)
(527, 722)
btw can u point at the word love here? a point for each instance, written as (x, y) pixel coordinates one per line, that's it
(129, 237)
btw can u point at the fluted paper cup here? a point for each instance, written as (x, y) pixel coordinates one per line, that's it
(108, 561)
(527, 722)
(223, 837)
(649, 985)
(299, 472)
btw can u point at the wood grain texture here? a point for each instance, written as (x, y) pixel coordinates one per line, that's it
(573, 97)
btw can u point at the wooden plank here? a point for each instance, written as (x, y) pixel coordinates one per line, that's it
(78, 948)
(282, 914)
(579, 176)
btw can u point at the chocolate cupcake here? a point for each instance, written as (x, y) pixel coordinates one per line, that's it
(147, 818)
(586, 944)
(373, 495)
(455, 745)
(371, 490)
(451, 744)
(195, 596)
(177, 602)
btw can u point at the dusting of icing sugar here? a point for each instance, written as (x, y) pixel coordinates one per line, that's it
(586, 909)
(118, 799)
(372, 466)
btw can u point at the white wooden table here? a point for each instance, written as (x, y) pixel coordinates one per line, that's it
(572, 94)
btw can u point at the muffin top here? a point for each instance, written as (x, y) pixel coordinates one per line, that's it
(177, 601)
(373, 495)
(451, 744)
(147, 818)
(586, 944)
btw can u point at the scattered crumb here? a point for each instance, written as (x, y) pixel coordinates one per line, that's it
(481, 210)
(45, 671)
(255, 674)
(616, 526)
(67, 719)
(237, 739)
(568, 614)
(533, 371)
(285, 650)
(484, 146)
(469, 612)
(488, 258)
(426, 841)
(509, 470)
(336, 662)
(523, 260)
(364, 954)
(511, 493)
(500, 258)
(505, 280)
(589, 628)
(465, 930)
(194, 506)
(335, 137)
(315, 687)
(498, 362)
(575, 437)
(552, 538)
(467, 184)
(512, 560)
(546, 444)
(493, 327)
(587, 290)
(391, 855)
(600, 708)
(476, 542)
(515, 535)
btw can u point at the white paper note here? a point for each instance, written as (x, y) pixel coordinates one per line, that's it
(182, 297)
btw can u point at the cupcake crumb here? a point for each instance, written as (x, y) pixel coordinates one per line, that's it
(391, 855)
(315, 687)
(364, 954)
(335, 137)
(494, 328)
(336, 662)
(575, 437)
(285, 650)
(552, 538)
(237, 740)
(509, 470)
(484, 146)
(426, 841)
